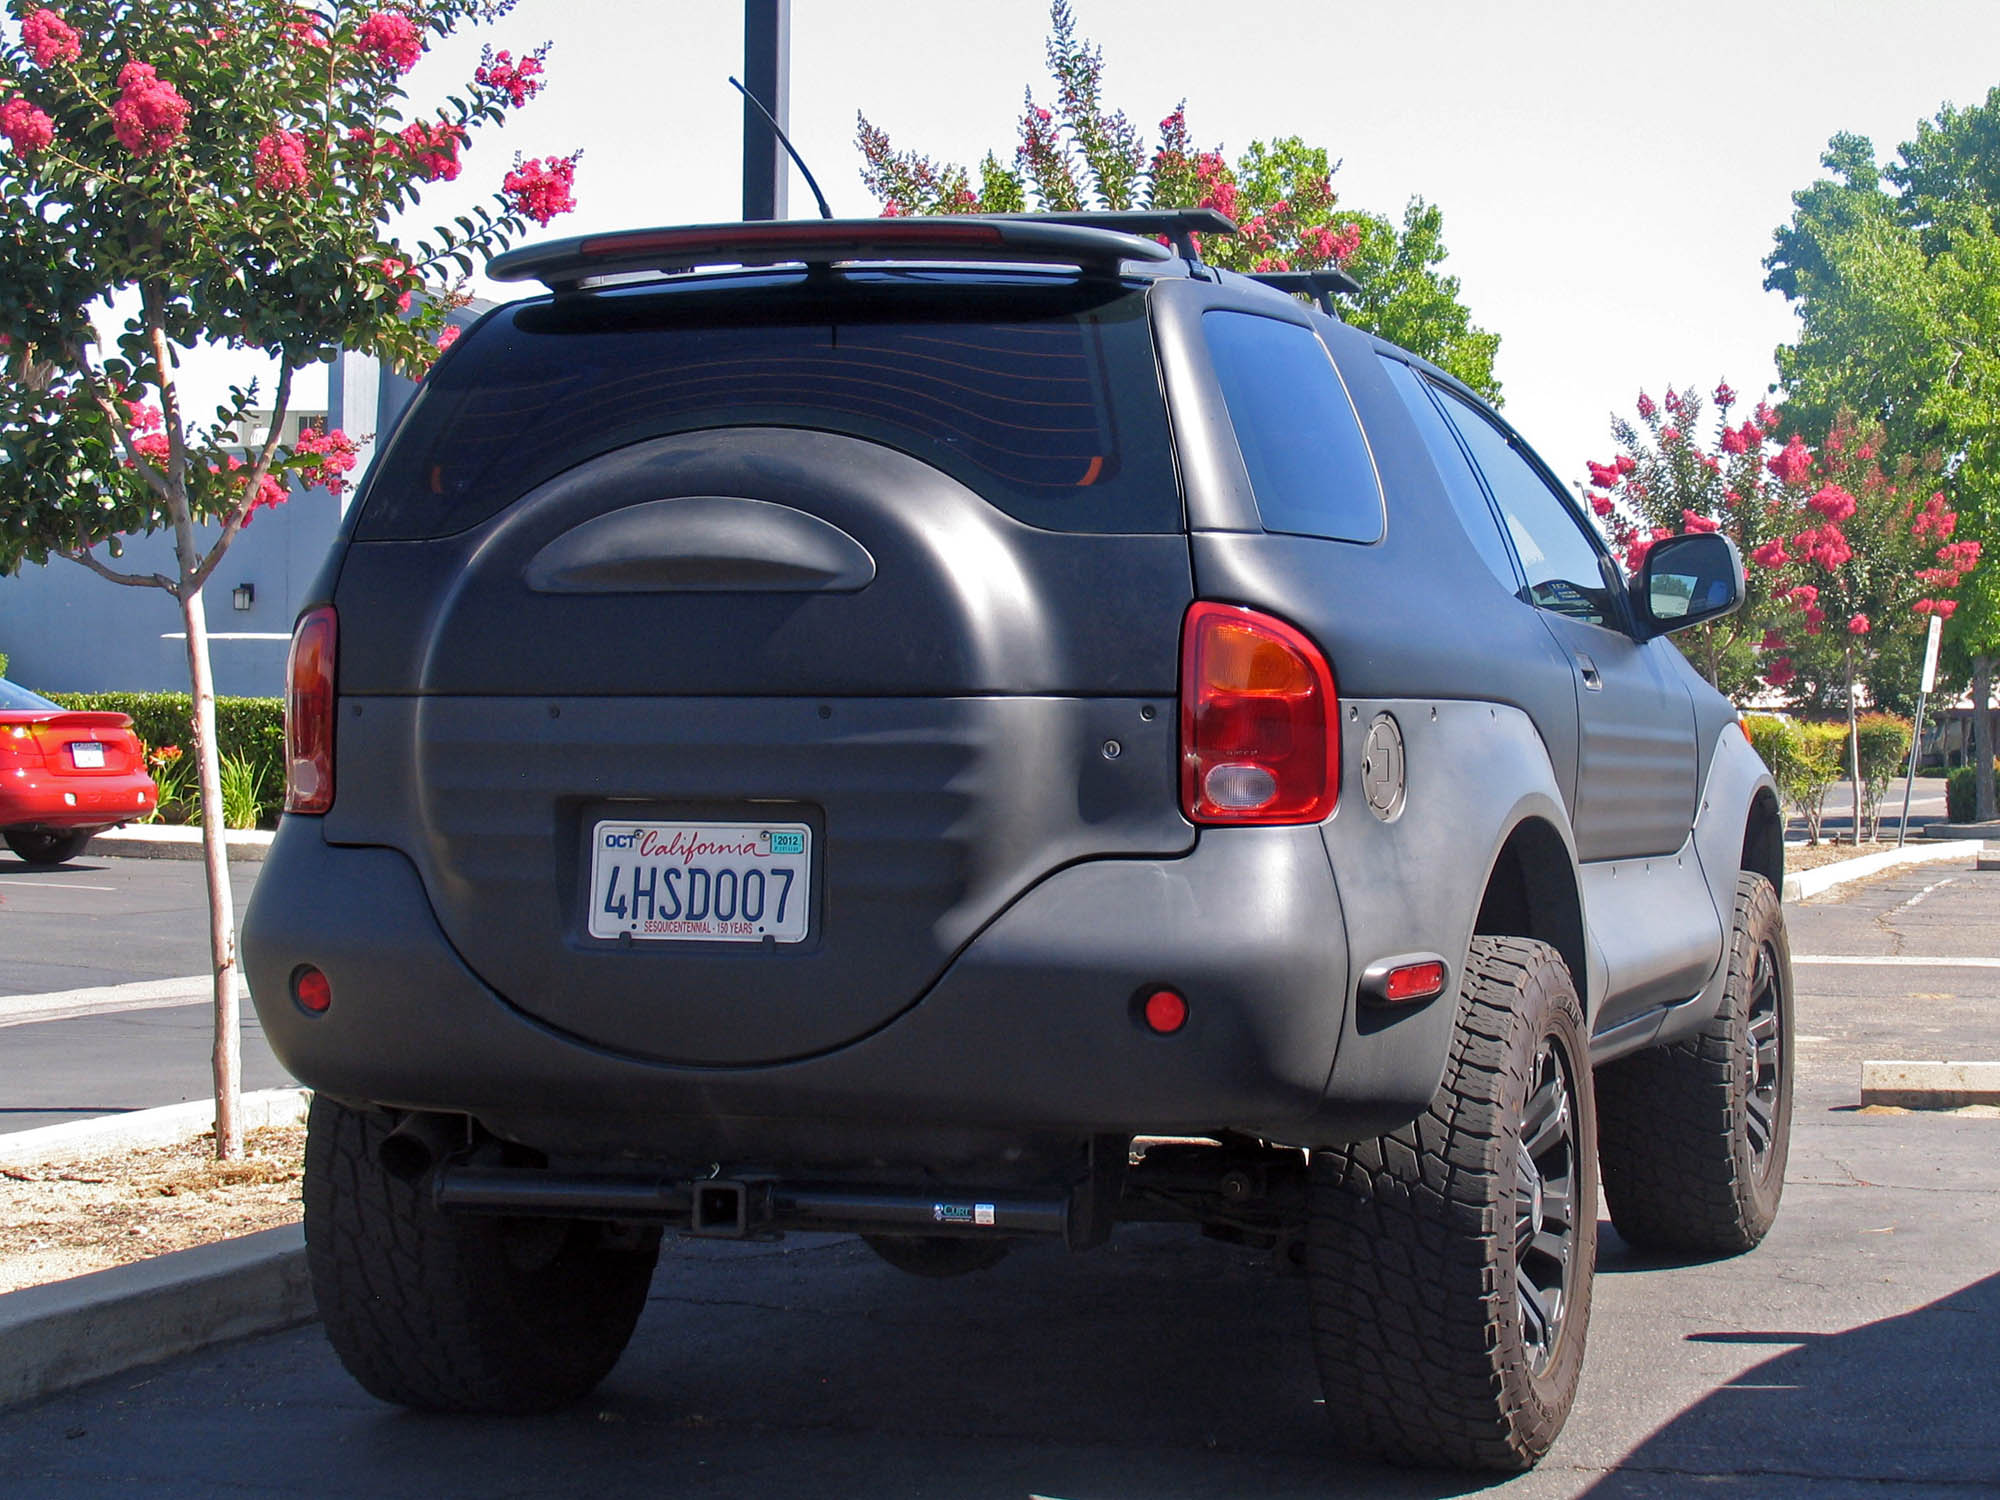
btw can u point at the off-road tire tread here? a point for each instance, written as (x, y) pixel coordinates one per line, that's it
(1677, 1177)
(1409, 1311)
(425, 1309)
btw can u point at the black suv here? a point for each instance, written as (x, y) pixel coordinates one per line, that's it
(971, 731)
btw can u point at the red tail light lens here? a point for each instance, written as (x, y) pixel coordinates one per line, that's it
(309, 713)
(1260, 727)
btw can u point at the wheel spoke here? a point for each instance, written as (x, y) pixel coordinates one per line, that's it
(1547, 1119)
(1555, 1247)
(1558, 1206)
(1759, 1124)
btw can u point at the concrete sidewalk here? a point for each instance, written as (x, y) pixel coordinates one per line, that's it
(176, 841)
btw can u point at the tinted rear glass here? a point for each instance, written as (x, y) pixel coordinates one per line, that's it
(1309, 465)
(1044, 398)
(13, 696)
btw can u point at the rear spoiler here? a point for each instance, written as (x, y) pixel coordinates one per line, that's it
(565, 265)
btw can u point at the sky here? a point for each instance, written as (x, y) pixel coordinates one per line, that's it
(1610, 173)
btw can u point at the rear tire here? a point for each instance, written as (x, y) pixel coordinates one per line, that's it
(48, 846)
(1449, 1263)
(457, 1313)
(1693, 1136)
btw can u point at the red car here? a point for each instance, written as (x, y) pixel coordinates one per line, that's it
(65, 776)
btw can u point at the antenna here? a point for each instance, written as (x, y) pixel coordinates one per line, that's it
(790, 150)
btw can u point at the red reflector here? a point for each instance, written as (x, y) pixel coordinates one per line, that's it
(309, 713)
(312, 989)
(1414, 982)
(1260, 730)
(1166, 1012)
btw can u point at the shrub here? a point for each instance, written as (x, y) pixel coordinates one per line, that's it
(250, 730)
(1803, 758)
(1961, 797)
(1885, 745)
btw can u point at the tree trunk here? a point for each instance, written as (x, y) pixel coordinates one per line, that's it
(1853, 748)
(1982, 738)
(226, 1058)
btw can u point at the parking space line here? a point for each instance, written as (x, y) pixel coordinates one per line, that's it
(1893, 961)
(53, 885)
(68, 1005)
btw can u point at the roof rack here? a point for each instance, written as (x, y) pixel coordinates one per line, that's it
(566, 265)
(1179, 225)
(1319, 285)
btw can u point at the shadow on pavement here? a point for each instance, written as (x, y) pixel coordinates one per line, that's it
(1906, 1402)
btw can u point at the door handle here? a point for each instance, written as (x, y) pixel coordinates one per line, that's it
(1589, 670)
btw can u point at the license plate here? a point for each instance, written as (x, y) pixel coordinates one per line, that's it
(88, 755)
(707, 882)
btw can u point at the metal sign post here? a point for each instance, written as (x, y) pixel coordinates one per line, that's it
(767, 66)
(1924, 686)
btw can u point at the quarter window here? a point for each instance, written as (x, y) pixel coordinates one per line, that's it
(1302, 445)
(1460, 483)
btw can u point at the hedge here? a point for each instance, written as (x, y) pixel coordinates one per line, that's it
(250, 729)
(1961, 797)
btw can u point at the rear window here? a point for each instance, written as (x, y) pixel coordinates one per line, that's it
(1045, 399)
(17, 698)
(1309, 465)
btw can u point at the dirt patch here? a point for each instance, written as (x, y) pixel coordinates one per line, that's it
(63, 1221)
(1811, 856)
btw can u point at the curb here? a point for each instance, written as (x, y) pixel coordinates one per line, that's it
(1930, 1085)
(1809, 883)
(58, 1336)
(62, 1334)
(172, 841)
(79, 1140)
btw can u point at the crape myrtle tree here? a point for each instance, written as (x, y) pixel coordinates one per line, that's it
(1076, 153)
(1848, 550)
(1669, 476)
(1894, 272)
(189, 172)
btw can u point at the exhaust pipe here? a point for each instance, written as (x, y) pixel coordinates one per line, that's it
(419, 1143)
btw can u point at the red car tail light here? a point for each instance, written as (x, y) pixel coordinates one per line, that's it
(309, 675)
(1260, 725)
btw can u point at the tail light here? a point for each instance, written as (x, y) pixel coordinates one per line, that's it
(309, 713)
(1260, 727)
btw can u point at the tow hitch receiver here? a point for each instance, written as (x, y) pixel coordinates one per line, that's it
(741, 1208)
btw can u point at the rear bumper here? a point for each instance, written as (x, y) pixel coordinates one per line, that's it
(40, 801)
(1033, 1028)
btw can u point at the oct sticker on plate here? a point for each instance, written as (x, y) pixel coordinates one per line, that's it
(709, 882)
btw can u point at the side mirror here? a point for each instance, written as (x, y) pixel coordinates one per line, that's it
(1688, 580)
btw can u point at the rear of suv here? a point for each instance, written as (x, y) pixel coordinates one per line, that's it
(974, 731)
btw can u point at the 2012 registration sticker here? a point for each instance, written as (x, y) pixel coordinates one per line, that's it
(706, 882)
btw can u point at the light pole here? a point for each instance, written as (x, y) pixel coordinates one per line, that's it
(767, 68)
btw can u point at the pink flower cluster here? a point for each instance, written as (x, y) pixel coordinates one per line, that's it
(149, 115)
(519, 81)
(1833, 502)
(1944, 609)
(1857, 624)
(1771, 554)
(1780, 672)
(50, 39)
(393, 272)
(335, 452)
(1824, 545)
(393, 37)
(1741, 439)
(1697, 524)
(1794, 463)
(1725, 396)
(1337, 248)
(1211, 173)
(540, 189)
(434, 149)
(280, 163)
(27, 129)
(1935, 519)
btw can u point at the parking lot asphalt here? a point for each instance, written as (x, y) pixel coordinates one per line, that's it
(98, 922)
(1850, 1355)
